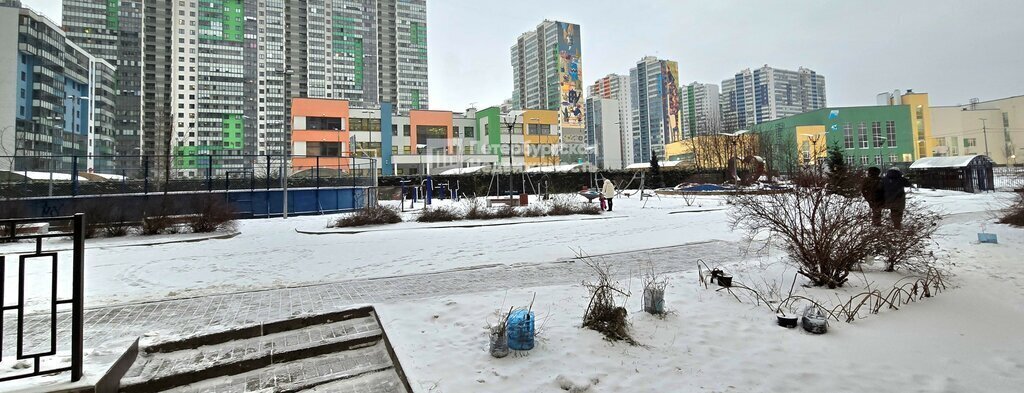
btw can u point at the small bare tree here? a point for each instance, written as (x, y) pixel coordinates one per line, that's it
(908, 247)
(825, 234)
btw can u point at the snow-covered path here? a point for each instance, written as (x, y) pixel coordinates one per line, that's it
(269, 253)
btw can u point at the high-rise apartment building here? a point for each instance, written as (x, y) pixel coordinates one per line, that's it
(657, 110)
(112, 31)
(547, 74)
(616, 87)
(603, 136)
(764, 94)
(701, 113)
(57, 100)
(218, 75)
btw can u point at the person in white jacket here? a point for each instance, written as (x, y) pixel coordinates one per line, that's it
(608, 192)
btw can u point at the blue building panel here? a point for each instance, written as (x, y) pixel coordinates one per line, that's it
(387, 169)
(24, 103)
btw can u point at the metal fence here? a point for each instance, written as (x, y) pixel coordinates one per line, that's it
(1008, 177)
(82, 175)
(36, 336)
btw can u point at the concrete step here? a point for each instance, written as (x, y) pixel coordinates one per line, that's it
(366, 369)
(336, 346)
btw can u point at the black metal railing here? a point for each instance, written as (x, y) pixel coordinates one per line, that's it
(16, 313)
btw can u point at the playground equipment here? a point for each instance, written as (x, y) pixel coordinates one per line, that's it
(590, 195)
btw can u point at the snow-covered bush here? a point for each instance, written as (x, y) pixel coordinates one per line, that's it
(569, 205)
(824, 234)
(477, 211)
(534, 210)
(439, 214)
(371, 215)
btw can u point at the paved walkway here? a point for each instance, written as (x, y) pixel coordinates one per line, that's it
(108, 330)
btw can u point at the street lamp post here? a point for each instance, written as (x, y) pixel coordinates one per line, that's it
(511, 126)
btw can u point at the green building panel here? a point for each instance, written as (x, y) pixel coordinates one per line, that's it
(835, 121)
(492, 128)
(232, 132)
(113, 20)
(234, 20)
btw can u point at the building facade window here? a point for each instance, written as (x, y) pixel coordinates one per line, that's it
(406, 131)
(864, 160)
(893, 158)
(468, 132)
(848, 140)
(890, 133)
(878, 159)
(876, 134)
(862, 134)
(970, 142)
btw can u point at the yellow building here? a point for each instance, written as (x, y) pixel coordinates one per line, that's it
(921, 120)
(540, 137)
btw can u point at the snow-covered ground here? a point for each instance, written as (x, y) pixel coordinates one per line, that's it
(270, 253)
(967, 338)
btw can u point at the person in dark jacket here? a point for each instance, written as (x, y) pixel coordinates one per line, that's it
(895, 197)
(871, 190)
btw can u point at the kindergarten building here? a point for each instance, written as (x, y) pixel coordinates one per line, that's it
(327, 133)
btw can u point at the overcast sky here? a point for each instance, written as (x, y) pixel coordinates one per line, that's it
(952, 49)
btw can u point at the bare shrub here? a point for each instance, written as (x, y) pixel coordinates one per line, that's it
(97, 214)
(654, 291)
(824, 234)
(563, 206)
(439, 214)
(535, 210)
(810, 178)
(689, 198)
(158, 218)
(118, 225)
(1015, 214)
(602, 314)
(908, 247)
(212, 212)
(371, 215)
(477, 211)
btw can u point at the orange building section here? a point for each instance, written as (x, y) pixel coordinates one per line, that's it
(429, 118)
(318, 107)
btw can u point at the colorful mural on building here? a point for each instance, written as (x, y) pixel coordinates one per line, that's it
(673, 103)
(570, 76)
